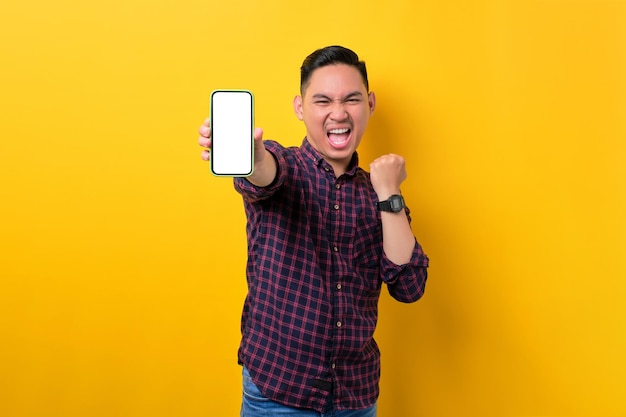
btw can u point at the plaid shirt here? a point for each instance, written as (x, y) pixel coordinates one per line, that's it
(315, 270)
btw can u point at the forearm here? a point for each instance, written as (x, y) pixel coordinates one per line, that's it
(398, 238)
(264, 170)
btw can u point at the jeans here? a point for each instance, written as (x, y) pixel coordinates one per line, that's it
(254, 404)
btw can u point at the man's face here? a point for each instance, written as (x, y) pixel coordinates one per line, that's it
(335, 108)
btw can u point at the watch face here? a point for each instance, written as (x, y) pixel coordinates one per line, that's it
(396, 203)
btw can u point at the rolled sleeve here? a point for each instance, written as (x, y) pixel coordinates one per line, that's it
(407, 282)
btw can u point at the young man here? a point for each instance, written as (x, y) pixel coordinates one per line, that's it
(323, 235)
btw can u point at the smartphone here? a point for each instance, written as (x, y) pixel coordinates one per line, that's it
(232, 133)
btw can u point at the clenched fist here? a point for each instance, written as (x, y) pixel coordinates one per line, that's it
(387, 172)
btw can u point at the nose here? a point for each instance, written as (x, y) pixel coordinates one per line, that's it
(338, 111)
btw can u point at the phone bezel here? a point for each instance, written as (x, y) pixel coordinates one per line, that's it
(237, 91)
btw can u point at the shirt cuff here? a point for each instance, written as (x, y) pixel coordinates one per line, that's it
(390, 271)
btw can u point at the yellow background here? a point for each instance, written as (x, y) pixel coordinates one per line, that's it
(122, 258)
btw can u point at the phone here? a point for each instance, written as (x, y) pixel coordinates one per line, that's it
(232, 133)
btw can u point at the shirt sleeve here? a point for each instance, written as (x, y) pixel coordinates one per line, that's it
(251, 192)
(406, 283)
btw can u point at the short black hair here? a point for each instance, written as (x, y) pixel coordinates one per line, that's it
(330, 55)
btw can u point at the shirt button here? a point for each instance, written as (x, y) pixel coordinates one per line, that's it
(336, 206)
(335, 249)
(326, 169)
(333, 366)
(338, 286)
(337, 186)
(338, 324)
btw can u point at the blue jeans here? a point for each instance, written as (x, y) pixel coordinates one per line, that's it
(254, 404)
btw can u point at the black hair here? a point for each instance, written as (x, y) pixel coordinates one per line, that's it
(330, 55)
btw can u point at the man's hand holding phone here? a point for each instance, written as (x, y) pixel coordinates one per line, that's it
(264, 162)
(205, 142)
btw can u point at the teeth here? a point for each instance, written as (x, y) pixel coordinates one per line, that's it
(338, 131)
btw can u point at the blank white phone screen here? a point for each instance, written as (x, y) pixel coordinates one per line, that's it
(232, 133)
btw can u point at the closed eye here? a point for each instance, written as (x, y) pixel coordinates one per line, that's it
(352, 98)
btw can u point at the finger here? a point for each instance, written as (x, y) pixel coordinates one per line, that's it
(204, 142)
(205, 130)
(206, 155)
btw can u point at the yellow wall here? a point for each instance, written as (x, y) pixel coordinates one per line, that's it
(122, 258)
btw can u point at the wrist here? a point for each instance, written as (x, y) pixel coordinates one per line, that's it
(385, 194)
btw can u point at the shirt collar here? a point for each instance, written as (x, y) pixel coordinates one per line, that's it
(318, 160)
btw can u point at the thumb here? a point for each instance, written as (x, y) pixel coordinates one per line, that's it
(258, 134)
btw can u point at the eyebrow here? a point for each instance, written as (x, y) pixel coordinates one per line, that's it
(347, 96)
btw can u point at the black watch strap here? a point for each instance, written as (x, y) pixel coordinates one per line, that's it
(384, 205)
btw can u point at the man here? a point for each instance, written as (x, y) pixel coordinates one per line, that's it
(323, 235)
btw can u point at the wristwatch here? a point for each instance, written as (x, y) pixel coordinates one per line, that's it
(394, 204)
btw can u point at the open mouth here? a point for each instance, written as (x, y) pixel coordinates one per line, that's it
(339, 138)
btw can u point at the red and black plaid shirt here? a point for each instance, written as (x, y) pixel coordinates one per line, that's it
(315, 270)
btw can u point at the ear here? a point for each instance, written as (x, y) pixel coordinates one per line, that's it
(297, 107)
(371, 99)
